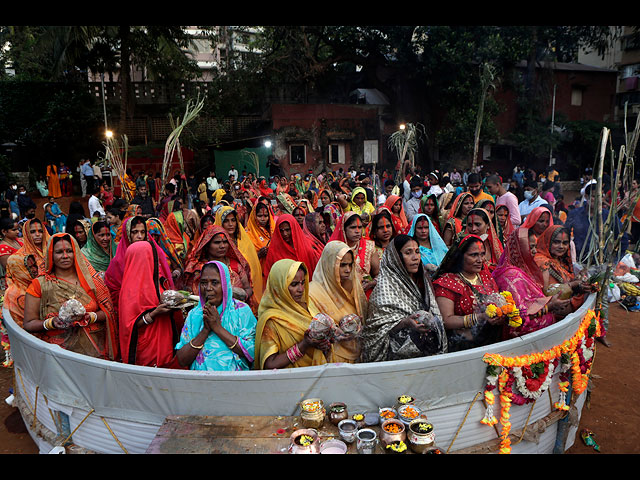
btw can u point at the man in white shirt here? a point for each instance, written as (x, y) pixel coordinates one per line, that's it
(233, 172)
(212, 183)
(503, 197)
(94, 203)
(531, 199)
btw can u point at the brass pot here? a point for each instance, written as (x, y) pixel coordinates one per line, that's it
(387, 437)
(304, 441)
(312, 413)
(338, 412)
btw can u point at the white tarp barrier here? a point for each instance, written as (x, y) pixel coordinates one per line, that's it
(445, 385)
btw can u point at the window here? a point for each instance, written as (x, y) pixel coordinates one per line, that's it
(336, 153)
(297, 154)
(370, 151)
(576, 97)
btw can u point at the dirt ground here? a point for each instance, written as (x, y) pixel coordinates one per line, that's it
(612, 412)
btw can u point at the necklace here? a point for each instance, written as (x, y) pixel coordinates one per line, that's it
(475, 280)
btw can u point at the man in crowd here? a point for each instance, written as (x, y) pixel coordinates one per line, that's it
(504, 197)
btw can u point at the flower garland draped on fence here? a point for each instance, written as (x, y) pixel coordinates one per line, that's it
(525, 378)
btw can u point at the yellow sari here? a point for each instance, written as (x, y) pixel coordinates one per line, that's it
(281, 320)
(327, 295)
(248, 250)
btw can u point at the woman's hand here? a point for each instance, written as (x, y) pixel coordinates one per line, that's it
(161, 309)
(211, 317)
(413, 322)
(263, 252)
(558, 305)
(60, 324)
(320, 344)
(368, 284)
(491, 320)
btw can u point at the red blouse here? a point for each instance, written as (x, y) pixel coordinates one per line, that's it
(451, 286)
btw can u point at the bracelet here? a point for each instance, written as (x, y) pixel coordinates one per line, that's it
(144, 319)
(93, 317)
(469, 320)
(234, 345)
(48, 324)
(193, 346)
(294, 354)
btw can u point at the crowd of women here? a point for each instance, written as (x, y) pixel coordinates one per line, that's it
(289, 272)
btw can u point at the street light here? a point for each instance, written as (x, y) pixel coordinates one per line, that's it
(267, 143)
(108, 134)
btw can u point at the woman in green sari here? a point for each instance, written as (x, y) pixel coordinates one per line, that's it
(100, 247)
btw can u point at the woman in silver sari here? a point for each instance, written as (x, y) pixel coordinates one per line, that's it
(404, 320)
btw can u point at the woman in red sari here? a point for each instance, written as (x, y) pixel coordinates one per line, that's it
(400, 222)
(538, 220)
(462, 284)
(289, 241)
(503, 223)
(149, 329)
(215, 245)
(479, 223)
(367, 261)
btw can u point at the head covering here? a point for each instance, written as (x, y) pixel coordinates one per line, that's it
(19, 276)
(235, 317)
(400, 222)
(153, 344)
(310, 228)
(367, 207)
(287, 202)
(156, 228)
(508, 229)
(281, 320)
(328, 296)
(492, 242)
(395, 297)
(246, 247)
(260, 236)
(176, 231)
(301, 250)
(438, 250)
(98, 256)
(456, 207)
(543, 258)
(115, 271)
(436, 216)
(453, 259)
(533, 217)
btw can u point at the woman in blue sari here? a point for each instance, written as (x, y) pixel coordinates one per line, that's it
(54, 216)
(432, 247)
(219, 333)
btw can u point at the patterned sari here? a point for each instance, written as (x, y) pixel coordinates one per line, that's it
(96, 339)
(362, 251)
(518, 273)
(97, 256)
(395, 297)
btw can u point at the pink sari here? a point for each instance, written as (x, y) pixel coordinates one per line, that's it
(518, 273)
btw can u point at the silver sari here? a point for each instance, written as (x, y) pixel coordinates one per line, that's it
(395, 297)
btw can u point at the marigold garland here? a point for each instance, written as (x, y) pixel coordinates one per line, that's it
(574, 356)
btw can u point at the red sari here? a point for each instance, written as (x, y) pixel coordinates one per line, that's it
(300, 251)
(149, 345)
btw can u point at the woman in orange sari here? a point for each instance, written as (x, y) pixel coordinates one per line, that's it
(554, 261)
(25, 265)
(479, 223)
(260, 228)
(462, 205)
(53, 181)
(400, 222)
(176, 231)
(226, 217)
(68, 275)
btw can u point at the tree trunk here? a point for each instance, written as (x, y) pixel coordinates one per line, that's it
(125, 65)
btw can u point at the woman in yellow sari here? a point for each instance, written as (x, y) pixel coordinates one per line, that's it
(218, 194)
(227, 218)
(335, 290)
(282, 339)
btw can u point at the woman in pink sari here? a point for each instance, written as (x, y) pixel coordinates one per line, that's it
(518, 273)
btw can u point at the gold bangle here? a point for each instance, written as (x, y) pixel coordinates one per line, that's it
(236, 343)
(45, 324)
(193, 346)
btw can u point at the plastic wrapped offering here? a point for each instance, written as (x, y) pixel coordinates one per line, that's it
(71, 311)
(348, 328)
(559, 288)
(322, 327)
(173, 298)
